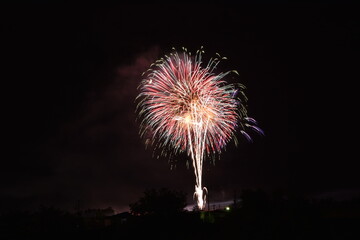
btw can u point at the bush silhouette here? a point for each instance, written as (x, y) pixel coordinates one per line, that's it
(159, 202)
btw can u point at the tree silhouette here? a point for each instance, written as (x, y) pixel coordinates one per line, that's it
(159, 202)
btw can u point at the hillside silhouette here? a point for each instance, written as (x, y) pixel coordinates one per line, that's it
(160, 214)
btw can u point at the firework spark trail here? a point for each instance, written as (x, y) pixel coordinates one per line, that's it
(188, 108)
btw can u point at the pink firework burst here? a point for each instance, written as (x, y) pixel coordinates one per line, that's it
(185, 106)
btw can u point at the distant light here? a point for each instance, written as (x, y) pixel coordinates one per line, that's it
(227, 208)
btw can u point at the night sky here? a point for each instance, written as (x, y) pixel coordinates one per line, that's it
(69, 81)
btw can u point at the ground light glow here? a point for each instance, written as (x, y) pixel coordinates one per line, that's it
(184, 106)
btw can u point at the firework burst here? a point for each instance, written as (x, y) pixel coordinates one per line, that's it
(185, 106)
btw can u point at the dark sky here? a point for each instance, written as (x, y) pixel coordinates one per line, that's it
(69, 82)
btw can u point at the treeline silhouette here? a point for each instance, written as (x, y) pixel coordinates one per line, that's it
(160, 214)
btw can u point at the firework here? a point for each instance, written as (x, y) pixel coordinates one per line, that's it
(185, 106)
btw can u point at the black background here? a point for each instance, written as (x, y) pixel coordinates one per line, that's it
(69, 82)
